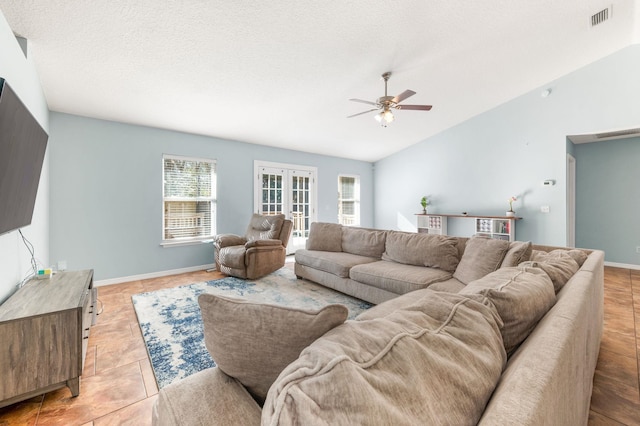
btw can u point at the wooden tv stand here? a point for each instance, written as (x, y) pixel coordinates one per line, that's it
(44, 329)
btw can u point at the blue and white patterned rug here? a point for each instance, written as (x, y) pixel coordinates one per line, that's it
(172, 326)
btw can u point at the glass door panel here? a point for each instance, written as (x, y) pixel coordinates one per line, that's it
(288, 191)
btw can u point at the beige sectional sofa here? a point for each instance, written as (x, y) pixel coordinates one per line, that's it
(376, 265)
(466, 331)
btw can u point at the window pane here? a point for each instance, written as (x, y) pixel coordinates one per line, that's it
(349, 200)
(189, 198)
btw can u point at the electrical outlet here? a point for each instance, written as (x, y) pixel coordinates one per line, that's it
(638, 249)
(62, 265)
(544, 209)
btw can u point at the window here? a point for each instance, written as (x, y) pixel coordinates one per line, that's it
(189, 199)
(349, 200)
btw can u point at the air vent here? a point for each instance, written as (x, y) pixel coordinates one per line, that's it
(619, 133)
(600, 17)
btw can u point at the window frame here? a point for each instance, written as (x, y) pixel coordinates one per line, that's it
(212, 199)
(355, 199)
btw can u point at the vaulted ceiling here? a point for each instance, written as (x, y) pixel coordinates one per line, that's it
(280, 73)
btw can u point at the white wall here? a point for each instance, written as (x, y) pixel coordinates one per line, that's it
(21, 74)
(477, 165)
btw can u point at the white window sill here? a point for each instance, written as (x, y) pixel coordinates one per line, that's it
(167, 244)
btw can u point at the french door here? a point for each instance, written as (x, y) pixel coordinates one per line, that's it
(290, 190)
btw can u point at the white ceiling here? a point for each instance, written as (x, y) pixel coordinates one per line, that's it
(280, 73)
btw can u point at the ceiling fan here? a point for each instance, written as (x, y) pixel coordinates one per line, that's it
(385, 103)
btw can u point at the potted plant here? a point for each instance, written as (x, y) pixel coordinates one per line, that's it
(510, 212)
(424, 203)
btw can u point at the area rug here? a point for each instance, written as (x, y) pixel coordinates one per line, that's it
(172, 326)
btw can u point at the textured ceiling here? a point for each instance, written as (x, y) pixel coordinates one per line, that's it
(280, 73)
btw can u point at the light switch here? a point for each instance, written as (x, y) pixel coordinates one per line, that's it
(544, 209)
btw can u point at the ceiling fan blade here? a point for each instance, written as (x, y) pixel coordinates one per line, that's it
(415, 107)
(364, 112)
(404, 95)
(364, 102)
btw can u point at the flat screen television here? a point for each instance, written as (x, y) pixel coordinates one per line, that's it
(23, 143)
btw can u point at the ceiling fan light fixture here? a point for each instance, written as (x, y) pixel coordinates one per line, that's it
(384, 117)
(384, 104)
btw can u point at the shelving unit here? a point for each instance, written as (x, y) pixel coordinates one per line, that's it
(432, 224)
(502, 229)
(499, 227)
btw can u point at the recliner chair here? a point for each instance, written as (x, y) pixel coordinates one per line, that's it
(261, 251)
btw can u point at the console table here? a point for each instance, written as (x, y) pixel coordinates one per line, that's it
(500, 227)
(44, 328)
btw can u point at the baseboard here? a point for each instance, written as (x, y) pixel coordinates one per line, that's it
(622, 265)
(158, 274)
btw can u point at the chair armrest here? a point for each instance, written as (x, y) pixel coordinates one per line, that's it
(208, 397)
(263, 243)
(226, 240)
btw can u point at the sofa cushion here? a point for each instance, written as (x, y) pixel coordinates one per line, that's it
(481, 257)
(187, 402)
(385, 308)
(580, 256)
(325, 237)
(436, 251)
(263, 227)
(559, 265)
(519, 251)
(364, 242)
(396, 277)
(522, 296)
(451, 285)
(335, 263)
(253, 342)
(435, 361)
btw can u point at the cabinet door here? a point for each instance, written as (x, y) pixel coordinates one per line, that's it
(38, 352)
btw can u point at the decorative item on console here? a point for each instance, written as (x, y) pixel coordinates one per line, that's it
(510, 212)
(424, 203)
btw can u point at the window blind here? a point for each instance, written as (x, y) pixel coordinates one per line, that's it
(188, 198)
(349, 200)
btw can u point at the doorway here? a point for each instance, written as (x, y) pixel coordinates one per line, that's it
(287, 189)
(571, 201)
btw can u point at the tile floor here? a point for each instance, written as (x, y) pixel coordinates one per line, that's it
(118, 387)
(616, 389)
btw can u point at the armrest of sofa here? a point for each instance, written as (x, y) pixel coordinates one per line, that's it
(263, 243)
(226, 240)
(208, 397)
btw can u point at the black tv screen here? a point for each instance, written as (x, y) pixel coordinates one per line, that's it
(23, 143)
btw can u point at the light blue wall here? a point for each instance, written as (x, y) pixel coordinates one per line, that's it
(608, 198)
(20, 73)
(106, 193)
(477, 165)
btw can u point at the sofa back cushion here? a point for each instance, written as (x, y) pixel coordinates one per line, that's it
(481, 257)
(560, 265)
(325, 237)
(519, 251)
(264, 227)
(253, 342)
(364, 242)
(522, 296)
(435, 251)
(435, 361)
